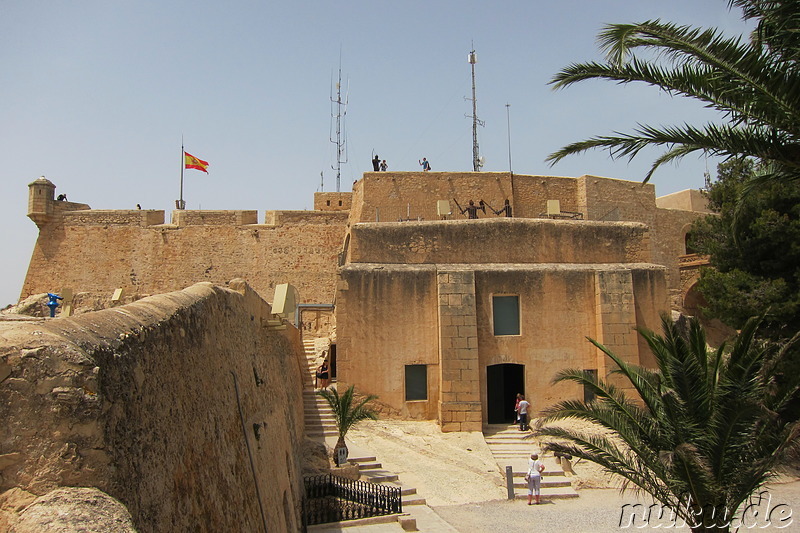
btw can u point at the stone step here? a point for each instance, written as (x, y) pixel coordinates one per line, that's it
(561, 493)
(519, 436)
(378, 475)
(318, 409)
(509, 445)
(314, 425)
(366, 459)
(319, 414)
(319, 402)
(371, 465)
(546, 473)
(322, 432)
(320, 417)
(557, 482)
(512, 446)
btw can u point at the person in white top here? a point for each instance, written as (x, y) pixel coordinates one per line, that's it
(534, 478)
(522, 411)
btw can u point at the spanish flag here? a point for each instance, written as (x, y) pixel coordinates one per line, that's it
(191, 161)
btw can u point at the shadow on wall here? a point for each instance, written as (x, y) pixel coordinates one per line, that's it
(184, 406)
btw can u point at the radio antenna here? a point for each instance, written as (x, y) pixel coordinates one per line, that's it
(477, 161)
(338, 111)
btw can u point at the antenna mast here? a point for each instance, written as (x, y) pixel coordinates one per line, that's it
(338, 111)
(476, 159)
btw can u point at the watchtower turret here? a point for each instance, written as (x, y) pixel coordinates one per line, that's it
(41, 197)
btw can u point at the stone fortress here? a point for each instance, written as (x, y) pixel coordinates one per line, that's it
(442, 317)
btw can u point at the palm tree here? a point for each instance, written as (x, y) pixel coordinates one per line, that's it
(708, 429)
(755, 84)
(347, 414)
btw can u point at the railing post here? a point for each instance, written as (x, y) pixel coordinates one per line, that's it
(510, 482)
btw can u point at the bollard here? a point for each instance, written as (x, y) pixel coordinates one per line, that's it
(510, 482)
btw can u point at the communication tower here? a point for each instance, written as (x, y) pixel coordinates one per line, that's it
(338, 111)
(477, 160)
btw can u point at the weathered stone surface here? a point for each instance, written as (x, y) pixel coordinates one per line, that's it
(12, 502)
(71, 509)
(155, 403)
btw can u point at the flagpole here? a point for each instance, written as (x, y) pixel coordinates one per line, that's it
(181, 204)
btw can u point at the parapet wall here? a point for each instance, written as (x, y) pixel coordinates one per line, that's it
(404, 196)
(303, 218)
(100, 251)
(156, 403)
(500, 240)
(109, 217)
(182, 217)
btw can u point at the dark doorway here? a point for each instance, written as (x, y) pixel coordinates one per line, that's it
(503, 382)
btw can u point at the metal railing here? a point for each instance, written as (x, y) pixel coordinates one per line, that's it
(330, 498)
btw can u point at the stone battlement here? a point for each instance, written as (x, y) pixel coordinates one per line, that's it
(144, 253)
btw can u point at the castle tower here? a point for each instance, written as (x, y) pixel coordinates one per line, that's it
(41, 196)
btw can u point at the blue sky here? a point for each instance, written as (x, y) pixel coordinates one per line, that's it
(96, 95)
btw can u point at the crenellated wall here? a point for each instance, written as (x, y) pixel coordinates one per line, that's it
(156, 403)
(97, 251)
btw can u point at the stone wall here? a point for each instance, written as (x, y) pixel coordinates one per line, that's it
(113, 217)
(531, 194)
(332, 201)
(161, 258)
(157, 403)
(500, 240)
(459, 397)
(305, 218)
(144, 256)
(391, 196)
(669, 251)
(390, 320)
(441, 315)
(182, 217)
(688, 200)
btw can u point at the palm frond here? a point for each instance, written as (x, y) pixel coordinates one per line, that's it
(710, 425)
(755, 85)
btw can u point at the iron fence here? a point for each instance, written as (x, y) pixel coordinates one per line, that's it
(330, 498)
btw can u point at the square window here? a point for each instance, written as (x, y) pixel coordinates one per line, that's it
(416, 382)
(505, 314)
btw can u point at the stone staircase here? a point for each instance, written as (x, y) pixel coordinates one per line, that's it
(512, 447)
(321, 425)
(311, 363)
(320, 421)
(373, 472)
(319, 418)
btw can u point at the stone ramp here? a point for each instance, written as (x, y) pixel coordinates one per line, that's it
(512, 447)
